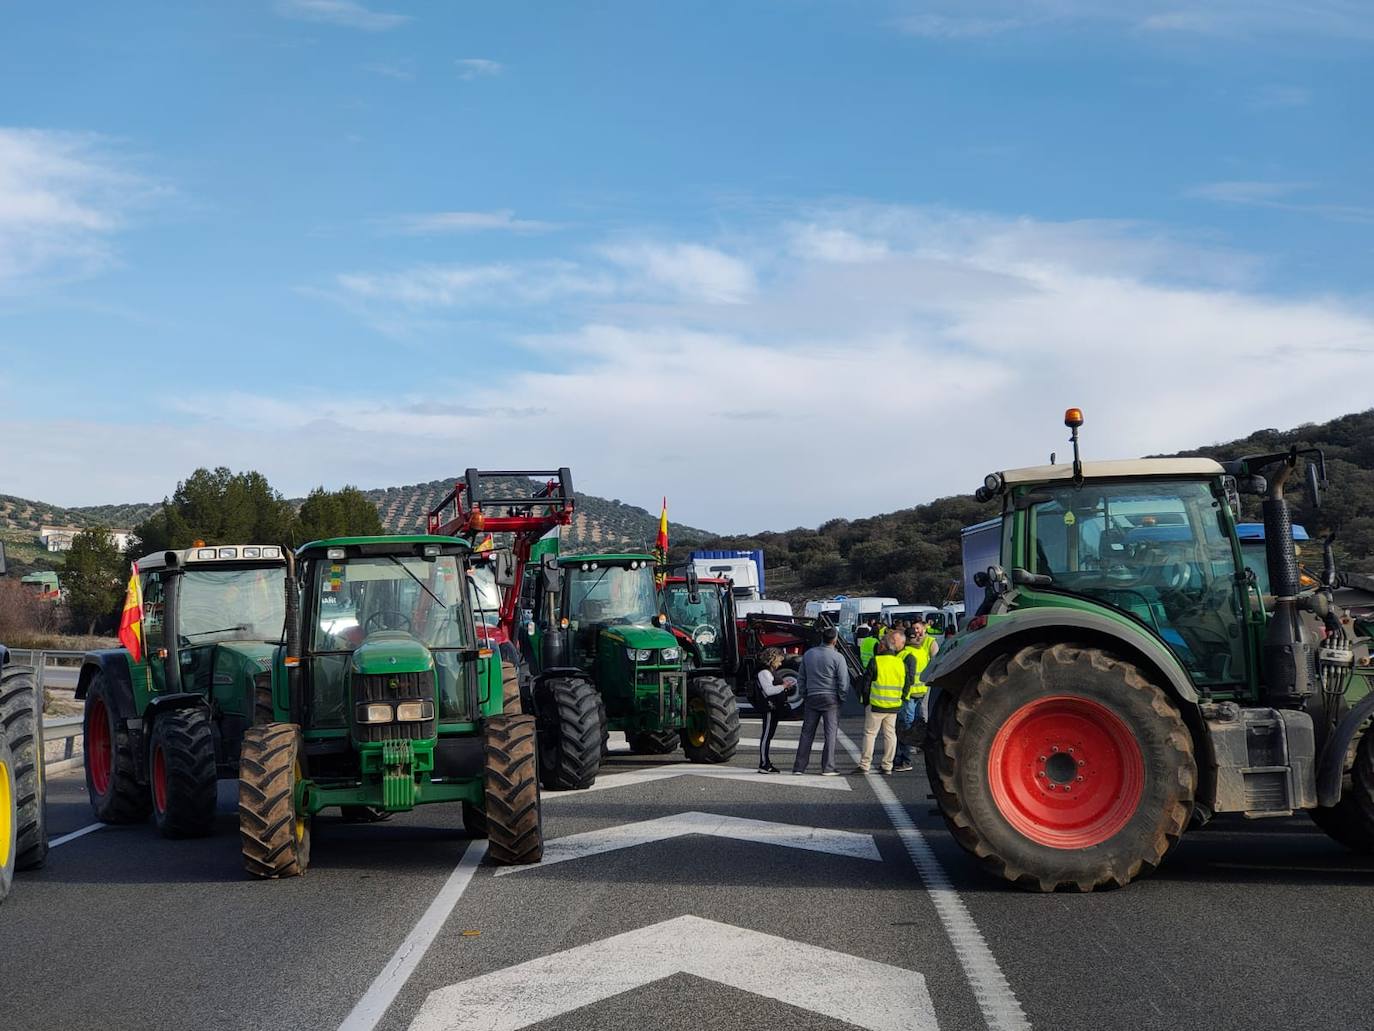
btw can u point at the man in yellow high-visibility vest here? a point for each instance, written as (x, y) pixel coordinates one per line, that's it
(891, 675)
(921, 648)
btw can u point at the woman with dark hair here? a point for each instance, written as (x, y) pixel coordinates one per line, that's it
(775, 684)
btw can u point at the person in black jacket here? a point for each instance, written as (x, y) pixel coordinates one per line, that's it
(775, 684)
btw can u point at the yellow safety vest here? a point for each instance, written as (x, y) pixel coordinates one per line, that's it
(886, 690)
(921, 653)
(867, 646)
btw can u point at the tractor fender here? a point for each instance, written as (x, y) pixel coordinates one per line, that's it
(954, 666)
(114, 664)
(1331, 765)
(171, 702)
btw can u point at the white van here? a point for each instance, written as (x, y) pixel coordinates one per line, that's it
(854, 611)
(892, 613)
(771, 608)
(816, 608)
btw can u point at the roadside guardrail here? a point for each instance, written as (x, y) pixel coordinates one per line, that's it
(65, 729)
(44, 661)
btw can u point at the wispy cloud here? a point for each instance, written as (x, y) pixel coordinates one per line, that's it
(62, 197)
(348, 13)
(470, 286)
(470, 68)
(685, 270)
(401, 70)
(437, 222)
(1279, 196)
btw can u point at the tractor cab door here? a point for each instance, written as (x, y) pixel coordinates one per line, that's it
(154, 628)
(1161, 552)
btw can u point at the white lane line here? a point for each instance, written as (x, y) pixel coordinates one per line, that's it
(860, 993)
(90, 829)
(619, 780)
(379, 997)
(1001, 1009)
(787, 835)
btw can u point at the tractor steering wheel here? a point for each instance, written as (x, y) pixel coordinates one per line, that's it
(386, 624)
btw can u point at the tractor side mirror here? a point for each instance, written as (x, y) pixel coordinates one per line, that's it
(1252, 485)
(503, 568)
(1314, 485)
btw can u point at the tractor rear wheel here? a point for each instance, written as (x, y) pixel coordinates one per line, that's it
(181, 773)
(605, 722)
(569, 733)
(475, 821)
(111, 770)
(20, 719)
(653, 742)
(514, 824)
(275, 837)
(9, 817)
(711, 733)
(510, 688)
(1063, 766)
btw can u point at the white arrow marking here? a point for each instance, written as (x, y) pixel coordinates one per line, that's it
(620, 780)
(860, 992)
(816, 839)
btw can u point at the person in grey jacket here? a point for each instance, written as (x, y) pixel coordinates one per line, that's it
(822, 683)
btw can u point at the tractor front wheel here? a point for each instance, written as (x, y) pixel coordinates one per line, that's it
(652, 742)
(275, 837)
(1063, 766)
(711, 734)
(513, 821)
(21, 720)
(9, 817)
(181, 773)
(569, 733)
(111, 770)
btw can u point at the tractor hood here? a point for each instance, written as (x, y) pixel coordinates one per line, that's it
(252, 653)
(392, 651)
(641, 637)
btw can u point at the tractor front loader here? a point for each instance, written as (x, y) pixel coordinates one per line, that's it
(1124, 680)
(385, 698)
(161, 728)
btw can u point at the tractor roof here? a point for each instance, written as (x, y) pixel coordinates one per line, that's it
(214, 555)
(714, 581)
(389, 544)
(619, 558)
(1123, 469)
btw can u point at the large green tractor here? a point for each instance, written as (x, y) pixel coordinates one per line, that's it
(383, 699)
(597, 622)
(1124, 680)
(23, 827)
(160, 731)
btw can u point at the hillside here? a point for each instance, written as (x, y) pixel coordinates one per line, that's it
(914, 554)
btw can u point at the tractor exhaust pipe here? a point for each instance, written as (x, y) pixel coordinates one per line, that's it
(292, 639)
(1288, 665)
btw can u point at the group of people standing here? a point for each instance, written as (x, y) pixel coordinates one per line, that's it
(893, 660)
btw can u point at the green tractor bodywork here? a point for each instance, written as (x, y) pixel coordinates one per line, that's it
(597, 621)
(159, 732)
(1124, 678)
(383, 700)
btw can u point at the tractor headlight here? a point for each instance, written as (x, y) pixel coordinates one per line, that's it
(639, 654)
(670, 654)
(374, 712)
(414, 712)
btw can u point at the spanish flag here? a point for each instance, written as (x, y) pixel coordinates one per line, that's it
(131, 620)
(661, 545)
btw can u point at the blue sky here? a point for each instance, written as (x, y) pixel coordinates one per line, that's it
(700, 249)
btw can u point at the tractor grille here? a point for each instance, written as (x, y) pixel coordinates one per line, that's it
(393, 688)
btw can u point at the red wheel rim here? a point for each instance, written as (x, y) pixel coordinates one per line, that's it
(159, 779)
(1066, 772)
(99, 746)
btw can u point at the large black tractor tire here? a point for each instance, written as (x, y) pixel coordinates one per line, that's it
(1348, 822)
(20, 722)
(1047, 722)
(274, 839)
(111, 768)
(653, 742)
(514, 823)
(712, 731)
(181, 773)
(9, 817)
(605, 722)
(264, 705)
(510, 688)
(569, 734)
(475, 821)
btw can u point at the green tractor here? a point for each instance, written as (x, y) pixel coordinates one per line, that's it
(1124, 680)
(384, 698)
(597, 622)
(23, 827)
(162, 729)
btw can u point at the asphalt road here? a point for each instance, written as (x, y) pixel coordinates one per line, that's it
(668, 901)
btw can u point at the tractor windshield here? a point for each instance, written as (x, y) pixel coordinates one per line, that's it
(1156, 551)
(612, 594)
(232, 605)
(702, 619)
(360, 596)
(486, 596)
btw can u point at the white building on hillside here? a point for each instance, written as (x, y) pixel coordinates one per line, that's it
(59, 538)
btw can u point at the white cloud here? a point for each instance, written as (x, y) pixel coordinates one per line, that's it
(686, 270)
(470, 68)
(62, 198)
(460, 286)
(403, 71)
(435, 222)
(1279, 196)
(348, 13)
(830, 244)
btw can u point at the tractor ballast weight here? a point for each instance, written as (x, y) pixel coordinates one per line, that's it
(383, 699)
(1123, 680)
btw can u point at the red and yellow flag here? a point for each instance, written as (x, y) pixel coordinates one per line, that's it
(131, 619)
(661, 546)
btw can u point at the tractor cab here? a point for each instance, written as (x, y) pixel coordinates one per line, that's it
(611, 607)
(701, 615)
